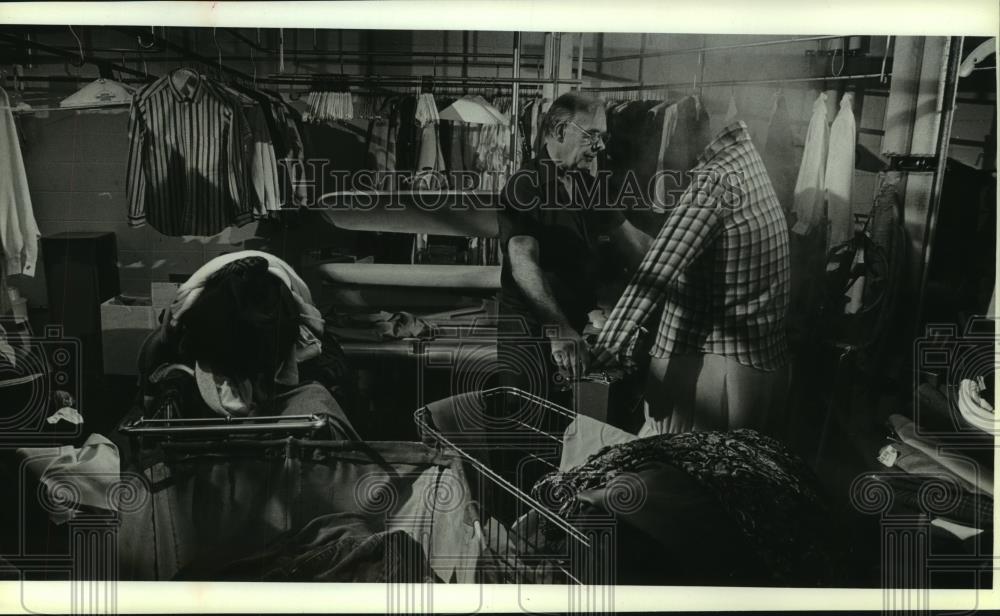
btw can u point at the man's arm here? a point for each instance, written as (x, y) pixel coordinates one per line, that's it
(568, 348)
(633, 244)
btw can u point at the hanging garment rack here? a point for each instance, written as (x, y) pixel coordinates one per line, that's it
(402, 54)
(732, 83)
(506, 57)
(104, 65)
(360, 84)
(378, 83)
(699, 50)
(411, 80)
(72, 79)
(77, 108)
(188, 53)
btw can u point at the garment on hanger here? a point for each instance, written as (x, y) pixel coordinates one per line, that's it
(284, 126)
(650, 143)
(732, 111)
(381, 158)
(339, 149)
(18, 230)
(809, 232)
(525, 127)
(188, 158)
(430, 158)
(259, 153)
(294, 186)
(492, 154)
(632, 152)
(535, 124)
(690, 134)
(329, 106)
(454, 147)
(779, 153)
(839, 175)
(810, 186)
(684, 137)
(264, 164)
(408, 136)
(541, 108)
(273, 110)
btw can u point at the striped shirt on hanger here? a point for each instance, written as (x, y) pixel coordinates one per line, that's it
(188, 159)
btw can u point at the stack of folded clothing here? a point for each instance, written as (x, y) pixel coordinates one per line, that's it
(378, 326)
(943, 475)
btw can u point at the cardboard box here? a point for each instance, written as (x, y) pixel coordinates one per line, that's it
(125, 324)
(163, 294)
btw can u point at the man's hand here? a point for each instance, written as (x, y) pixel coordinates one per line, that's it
(570, 353)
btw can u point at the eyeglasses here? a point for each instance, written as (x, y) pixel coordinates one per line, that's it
(594, 137)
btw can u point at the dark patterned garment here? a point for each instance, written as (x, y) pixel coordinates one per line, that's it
(768, 493)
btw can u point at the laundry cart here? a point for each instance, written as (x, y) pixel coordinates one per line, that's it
(524, 541)
(263, 498)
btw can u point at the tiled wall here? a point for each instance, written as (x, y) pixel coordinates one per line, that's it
(75, 163)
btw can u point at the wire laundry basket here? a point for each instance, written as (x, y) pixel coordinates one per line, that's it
(528, 543)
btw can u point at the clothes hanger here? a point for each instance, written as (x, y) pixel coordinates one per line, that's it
(253, 64)
(79, 45)
(102, 91)
(218, 50)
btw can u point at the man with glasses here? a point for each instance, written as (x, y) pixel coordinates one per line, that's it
(554, 217)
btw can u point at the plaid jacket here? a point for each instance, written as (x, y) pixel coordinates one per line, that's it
(719, 267)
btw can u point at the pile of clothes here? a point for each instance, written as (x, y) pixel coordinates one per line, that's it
(381, 325)
(336, 547)
(706, 507)
(402, 142)
(946, 449)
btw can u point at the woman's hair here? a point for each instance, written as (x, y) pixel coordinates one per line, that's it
(244, 324)
(566, 108)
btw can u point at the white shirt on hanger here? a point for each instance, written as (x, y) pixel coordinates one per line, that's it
(840, 173)
(18, 229)
(810, 186)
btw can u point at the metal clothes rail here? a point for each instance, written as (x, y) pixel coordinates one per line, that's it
(732, 83)
(677, 52)
(308, 79)
(103, 64)
(79, 108)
